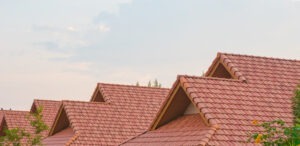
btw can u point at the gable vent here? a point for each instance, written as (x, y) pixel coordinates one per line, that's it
(221, 72)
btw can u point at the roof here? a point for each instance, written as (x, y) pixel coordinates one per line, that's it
(185, 130)
(127, 112)
(17, 119)
(50, 109)
(260, 89)
(61, 138)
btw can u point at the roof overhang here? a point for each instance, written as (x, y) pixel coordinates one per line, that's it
(169, 102)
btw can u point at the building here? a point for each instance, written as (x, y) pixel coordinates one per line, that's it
(215, 109)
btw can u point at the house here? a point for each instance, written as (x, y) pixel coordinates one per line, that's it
(19, 119)
(218, 109)
(50, 110)
(14, 119)
(115, 114)
(215, 109)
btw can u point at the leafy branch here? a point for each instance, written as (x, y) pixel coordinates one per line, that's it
(17, 136)
(277, 132)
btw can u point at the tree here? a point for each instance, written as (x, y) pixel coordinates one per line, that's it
(15, 136)
(155, 83)
(296, 107)
(39, 125)
(277, 132)
(137, 84)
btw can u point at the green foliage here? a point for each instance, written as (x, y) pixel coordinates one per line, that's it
(37, 121)
(277, 133)
(39, 126)
(155, 84)
(13, 137)
(16, 135)
(150, 84)
(296, 107)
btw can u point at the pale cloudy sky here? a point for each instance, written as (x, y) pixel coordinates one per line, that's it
(60, 49)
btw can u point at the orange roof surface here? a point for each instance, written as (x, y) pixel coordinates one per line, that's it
(186, 130)
(50, 109)
(127, 112)
(17, 119)
(60, 138)
(260, 89)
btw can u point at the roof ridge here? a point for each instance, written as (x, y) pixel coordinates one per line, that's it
(46, 100)
(12, 111)
(89, 102)
(255, 56)
(231, 66)
(126, 85)
(209, 78)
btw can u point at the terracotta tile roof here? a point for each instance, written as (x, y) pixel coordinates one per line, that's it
(50, 109)
(19, 119)
(15, 119)
(236, 105)
(262, 90)
(186, 130)
(126, 112)
(59, 139)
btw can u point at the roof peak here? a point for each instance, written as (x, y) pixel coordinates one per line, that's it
(48, 100)
(210, 78)
(255, 56)
(85, 102)
(126, 85)
(13, 111)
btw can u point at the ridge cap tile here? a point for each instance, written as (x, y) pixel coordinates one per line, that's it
(258, 56)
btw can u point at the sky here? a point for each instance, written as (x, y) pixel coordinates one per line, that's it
(61, 49)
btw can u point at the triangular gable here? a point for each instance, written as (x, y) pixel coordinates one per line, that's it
(177, 104)
(33, 107)
(97, 95)
(61, 132)
(61, 122)
(222, 67)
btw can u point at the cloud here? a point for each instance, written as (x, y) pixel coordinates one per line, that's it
(103, 28)
(71, 28)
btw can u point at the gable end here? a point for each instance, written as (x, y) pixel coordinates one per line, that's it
(97, 95)
(177, 105)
